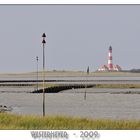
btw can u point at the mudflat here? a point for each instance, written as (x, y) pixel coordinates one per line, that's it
(96, 105)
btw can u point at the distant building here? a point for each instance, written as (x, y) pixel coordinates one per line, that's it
(110, 66)
(103, 68)
(117, 68)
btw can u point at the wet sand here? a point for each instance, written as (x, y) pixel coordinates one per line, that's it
(72, 103)
(100, 103)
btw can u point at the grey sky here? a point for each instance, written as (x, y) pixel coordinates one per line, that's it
(77, 36)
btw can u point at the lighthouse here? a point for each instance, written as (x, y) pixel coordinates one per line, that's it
(109, 67)
(110, 64)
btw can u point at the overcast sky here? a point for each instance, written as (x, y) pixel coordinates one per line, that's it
(77, 36)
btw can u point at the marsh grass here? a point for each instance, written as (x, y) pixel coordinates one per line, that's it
(10, 121)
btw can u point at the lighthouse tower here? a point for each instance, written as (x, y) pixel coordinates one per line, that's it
(109, 67)
(110, 64)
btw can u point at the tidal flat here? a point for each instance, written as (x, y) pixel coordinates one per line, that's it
(100, 103)
(97, 105)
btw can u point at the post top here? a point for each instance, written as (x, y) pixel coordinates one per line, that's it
(43, 41)
(43, 35)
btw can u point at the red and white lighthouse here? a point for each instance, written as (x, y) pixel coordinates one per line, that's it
(110, 67)
(110, 64)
